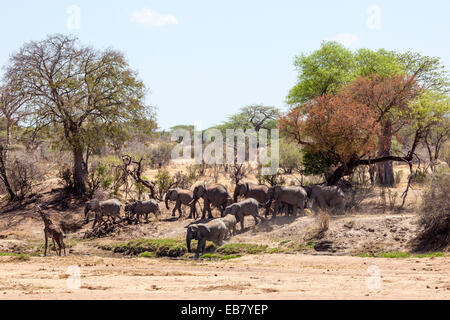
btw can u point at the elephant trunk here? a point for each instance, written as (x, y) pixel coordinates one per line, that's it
(236, 194)
(167, 200)
(268, 203)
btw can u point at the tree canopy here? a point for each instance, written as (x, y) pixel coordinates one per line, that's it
(80, 94)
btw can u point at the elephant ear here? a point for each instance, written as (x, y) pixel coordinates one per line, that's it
(203, 230)
(194, 227)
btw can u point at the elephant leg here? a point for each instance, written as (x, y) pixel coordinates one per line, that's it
(256, 219)
(241, 219)
(210, 216)
(192, 212)
(294, 212)
(315, 206)
(138, 218)
(302, 208)
(207, 208)
(267, 211)
(200, 247)
(220, 238)
(176, 208)
(180, 212)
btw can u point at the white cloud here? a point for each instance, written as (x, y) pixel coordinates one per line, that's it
(153, 18)
(374, 18)
(347, 39)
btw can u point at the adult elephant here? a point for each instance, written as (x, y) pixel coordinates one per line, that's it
(288, 196)
(326, 198)
(214, 231)
(214, 195)
(110, 208)
(249, 190)
(182, 197)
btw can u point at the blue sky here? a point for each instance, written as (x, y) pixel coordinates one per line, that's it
(204, 60)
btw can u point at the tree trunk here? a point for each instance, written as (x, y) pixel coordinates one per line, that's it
(4, 175)
(385, 170)
(78, 172)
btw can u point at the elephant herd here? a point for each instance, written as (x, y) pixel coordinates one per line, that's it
(288, 199)
(275, 199)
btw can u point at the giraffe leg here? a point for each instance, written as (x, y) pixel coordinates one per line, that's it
(46, 245)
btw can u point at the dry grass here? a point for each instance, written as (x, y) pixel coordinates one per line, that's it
(435, 215)
(321, 226)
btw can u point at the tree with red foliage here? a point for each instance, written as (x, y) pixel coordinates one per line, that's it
(345, 127)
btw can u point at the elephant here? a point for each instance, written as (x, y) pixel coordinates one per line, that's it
(182, 197)
(230, 221)
(294, 196)
(244, 208)
(250, 190)
(140, 208)
(214, 231)
(326, 197)
(110, 208)
(215, 195)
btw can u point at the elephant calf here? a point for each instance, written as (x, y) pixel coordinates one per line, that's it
(182, 197)
(230, 221)
(244, 208)
(109, 208)
(140, 208)
(214, 231)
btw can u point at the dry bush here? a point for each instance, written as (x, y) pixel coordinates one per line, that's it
(65, 174)
(321, 226)
(357, 195)
(435, 214)
(25, 172)
(160, 155)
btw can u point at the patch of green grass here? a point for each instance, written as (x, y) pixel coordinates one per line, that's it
(430, 255)
(282, 243)
(241, 248)
(395, 255)
(147, 254)
(216, 256)
(399, 255)
(158, 247)
(277, 250)
(9, 254)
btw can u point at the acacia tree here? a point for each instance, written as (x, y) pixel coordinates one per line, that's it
(71, 88)
(332, 67)
(344, 128)
(431, 111)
